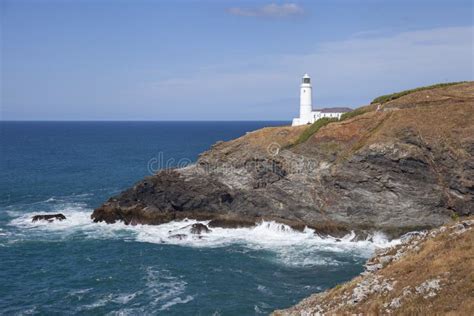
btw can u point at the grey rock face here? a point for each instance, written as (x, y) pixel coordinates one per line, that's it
(389, 187)
(383, 171)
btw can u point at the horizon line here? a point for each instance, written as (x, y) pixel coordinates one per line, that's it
(277, 120)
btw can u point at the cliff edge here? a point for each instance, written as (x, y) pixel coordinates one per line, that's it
(429, 273)
(402, 165)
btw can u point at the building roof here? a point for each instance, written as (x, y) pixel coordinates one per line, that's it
(335, 110)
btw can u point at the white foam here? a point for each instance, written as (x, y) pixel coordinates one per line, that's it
(112, 298)
(78, 293)
(78, 220)
(263, 289)
(75, 219)
(175, 301)
(124, 298)
(164, 289)
(290, 246)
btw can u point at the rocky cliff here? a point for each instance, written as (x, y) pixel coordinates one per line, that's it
(429, 273)
(403, 165)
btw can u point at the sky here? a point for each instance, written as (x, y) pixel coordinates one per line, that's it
(221, 60)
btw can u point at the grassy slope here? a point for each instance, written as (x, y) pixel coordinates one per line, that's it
(389, 97)
(316, 126)
(313, 128)
(445, 254)
(447, 108)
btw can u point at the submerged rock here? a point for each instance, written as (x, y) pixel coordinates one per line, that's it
(178, 236)
(49, 217)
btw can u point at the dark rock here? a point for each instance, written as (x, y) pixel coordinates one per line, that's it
(49, 217)
(199, 228)
(178, 236)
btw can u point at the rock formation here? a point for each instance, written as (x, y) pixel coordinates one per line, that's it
(199, 229)
(48, 217)
(399, 166)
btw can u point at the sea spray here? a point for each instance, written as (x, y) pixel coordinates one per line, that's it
(291, 247)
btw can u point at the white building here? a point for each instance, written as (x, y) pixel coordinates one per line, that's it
(307, 114)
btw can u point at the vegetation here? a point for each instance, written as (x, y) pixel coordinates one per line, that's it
(338, 286)
(389, 97)
(393, 96)
(355, 112)
(313, 128)
(444, 254)
(309, 131)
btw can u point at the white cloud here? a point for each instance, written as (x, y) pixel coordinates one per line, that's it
(349, 73)
(270, 10)
(361, 67)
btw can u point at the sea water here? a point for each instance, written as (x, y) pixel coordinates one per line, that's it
(77, 266)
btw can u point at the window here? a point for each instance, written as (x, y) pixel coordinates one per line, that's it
(306, 80)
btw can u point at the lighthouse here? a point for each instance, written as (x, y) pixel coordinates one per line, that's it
(306, 103)
(307, 114)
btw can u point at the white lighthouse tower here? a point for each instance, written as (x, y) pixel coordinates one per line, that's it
(307, 115)
(306, 103)
(306, 100)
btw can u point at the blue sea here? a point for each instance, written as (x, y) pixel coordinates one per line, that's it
(80, 267)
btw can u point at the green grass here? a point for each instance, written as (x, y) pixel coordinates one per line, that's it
(355, 112)
(313, 128)
(393, 96)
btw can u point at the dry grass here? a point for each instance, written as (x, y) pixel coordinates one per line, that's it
(394, 96)
(313, 129)
(359, 111)
(448, 257)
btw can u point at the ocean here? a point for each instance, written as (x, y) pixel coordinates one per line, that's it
(80, 267)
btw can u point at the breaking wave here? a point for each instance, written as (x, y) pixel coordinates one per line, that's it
(291, 247)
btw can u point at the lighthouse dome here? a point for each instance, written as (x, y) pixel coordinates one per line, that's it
(306, 78)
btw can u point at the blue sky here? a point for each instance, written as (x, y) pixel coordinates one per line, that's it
(221, 60)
